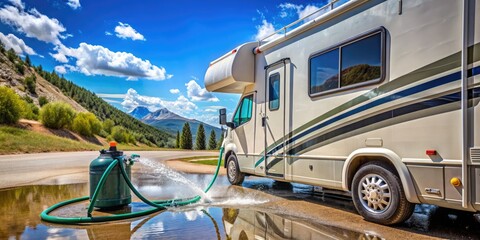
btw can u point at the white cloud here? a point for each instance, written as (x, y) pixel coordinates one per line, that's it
(309, 9)
(124, 30)
(174, 91)
(287, 7)
(32, 23)
(213, 108)
(286, 10)
(99, 60)
(74, 4)
(132, 100)
(111, 95)
(264, 30)
(301, 11)
(18, 45)
(111, 101)
(62, 69)
(108, 33)
(197, 93)
(18, 4)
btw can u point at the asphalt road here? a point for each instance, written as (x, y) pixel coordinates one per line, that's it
(65, 167)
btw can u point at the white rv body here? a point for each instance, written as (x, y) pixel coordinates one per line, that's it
(413, 109)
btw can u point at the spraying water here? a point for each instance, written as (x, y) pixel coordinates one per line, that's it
(161, 169)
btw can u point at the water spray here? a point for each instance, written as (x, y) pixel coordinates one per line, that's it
(110, 187)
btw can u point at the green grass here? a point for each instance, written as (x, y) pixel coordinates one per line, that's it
(205, 160)
(208, 162)
(14, 140)
(17, 140)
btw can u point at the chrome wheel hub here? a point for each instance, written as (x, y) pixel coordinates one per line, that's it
(374, 193)
(232, 170)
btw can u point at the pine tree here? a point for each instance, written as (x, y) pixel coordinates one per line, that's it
(212, 141)
(220, 142)
(27, 61)
(177, 140)
(200, 140)
(186, 138)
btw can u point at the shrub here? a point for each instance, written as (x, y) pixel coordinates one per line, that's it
(103, 134)
(86, 124)
(42, 101)
(31, 84)
(10, 106)
(118, 134)
(57, 115)
(29, 111)
(11, 55)
(108, 125)
(20, 68)
(27, 99)
(122, 135)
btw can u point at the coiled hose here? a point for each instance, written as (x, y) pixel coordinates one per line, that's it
(157, 205)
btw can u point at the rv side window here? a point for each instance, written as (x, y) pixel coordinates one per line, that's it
(357, 63)
(324, 72)
(274, 92)
(244, 111)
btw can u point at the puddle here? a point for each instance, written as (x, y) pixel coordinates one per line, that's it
(249, 212)
(230, 218)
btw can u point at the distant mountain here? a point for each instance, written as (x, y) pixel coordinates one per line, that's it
(171, 122)
(139, 112)
(162, 114)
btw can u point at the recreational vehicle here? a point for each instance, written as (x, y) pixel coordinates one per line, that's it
(378, 98)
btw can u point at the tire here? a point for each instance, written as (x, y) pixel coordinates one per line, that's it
(235, 177)
(378, 195)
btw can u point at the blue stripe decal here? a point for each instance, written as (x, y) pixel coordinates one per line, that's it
(404, 93)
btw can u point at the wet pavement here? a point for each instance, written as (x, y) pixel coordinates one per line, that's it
(260, 209)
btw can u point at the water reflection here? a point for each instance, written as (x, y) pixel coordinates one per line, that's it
(21, 208)
(249, 224)
(233, 213)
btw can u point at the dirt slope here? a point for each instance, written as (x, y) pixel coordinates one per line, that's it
(10, 77)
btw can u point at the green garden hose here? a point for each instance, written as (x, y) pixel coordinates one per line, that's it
(157, 205)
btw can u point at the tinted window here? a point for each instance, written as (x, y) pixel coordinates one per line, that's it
(274, 91)
(324, 72)
(355, 62)
(361, 61)
(244, 111)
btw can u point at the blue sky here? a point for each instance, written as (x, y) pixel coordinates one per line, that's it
(149, 53)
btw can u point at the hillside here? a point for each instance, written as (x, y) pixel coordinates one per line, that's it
(16, 74)
(168, 121)
(9, 76)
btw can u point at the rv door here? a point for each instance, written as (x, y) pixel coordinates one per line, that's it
(275, 120)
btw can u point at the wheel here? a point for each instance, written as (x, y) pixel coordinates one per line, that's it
(235, 177)
(378, 195)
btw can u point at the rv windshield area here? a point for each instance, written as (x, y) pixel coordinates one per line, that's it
(244, 111)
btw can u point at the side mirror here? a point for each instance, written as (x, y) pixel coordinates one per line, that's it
(230, 125)
(222, 115)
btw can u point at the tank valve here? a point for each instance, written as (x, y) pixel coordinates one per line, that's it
(132, 159)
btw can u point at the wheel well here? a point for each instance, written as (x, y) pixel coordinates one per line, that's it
(362, 160)
(227, 155)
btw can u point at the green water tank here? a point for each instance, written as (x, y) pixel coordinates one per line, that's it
(115, 192)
